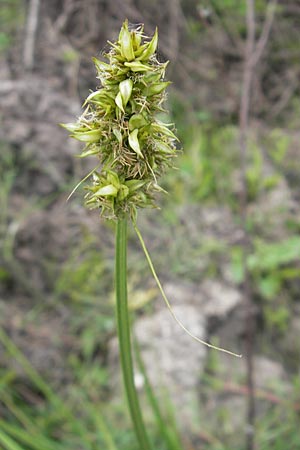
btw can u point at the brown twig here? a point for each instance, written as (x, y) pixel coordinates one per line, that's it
(253, 53)
(244, 124)
(30, 34)
(69, 7)
(258, 393)
(173, 41)
(263, 40)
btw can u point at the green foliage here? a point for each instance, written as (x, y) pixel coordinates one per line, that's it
(270, 256)
(278, 145)
(279, 428)
(69, 420)
(208, 173)
(79, 278)
(228, 7)
(272, 266)
(209, 166)
(11, 18)
(206, 165)
(254, 177)
(277, 416)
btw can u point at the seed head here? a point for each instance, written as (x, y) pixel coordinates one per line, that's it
(120, 126)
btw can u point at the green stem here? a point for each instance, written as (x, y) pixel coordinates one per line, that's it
(124, 335)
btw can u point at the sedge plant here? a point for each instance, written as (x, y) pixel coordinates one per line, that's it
(133, 148)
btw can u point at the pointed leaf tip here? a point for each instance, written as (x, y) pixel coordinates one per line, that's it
(126, 43)
(125, 88)
(151, 47)
(106, 191)
(134, 143)
(119, 102)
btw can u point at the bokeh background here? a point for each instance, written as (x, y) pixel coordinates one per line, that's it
(225, 241)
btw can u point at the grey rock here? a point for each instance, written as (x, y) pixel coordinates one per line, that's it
(173, 359)
(212, 298)
(171, 356)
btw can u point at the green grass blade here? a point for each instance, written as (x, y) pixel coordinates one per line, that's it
(49, 394)
(100, 424)
(8, 443)
(123, 323)
(32, 441)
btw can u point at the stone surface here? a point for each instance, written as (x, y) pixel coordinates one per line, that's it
(171, 356)
(31, 110)
(213, 298)
(173, 360)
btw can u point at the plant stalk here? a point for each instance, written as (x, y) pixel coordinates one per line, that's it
(123, 324)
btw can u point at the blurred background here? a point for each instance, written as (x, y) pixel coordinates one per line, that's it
(225, 241)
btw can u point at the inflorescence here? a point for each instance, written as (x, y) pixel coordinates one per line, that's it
(120, 126)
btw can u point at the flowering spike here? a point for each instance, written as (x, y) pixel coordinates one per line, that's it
(120, 126)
